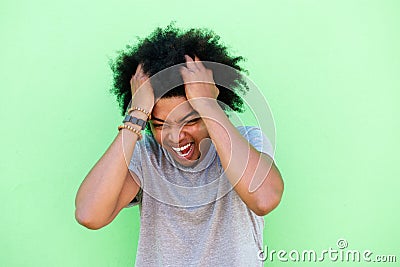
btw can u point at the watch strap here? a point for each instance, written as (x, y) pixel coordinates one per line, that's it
(134, 120)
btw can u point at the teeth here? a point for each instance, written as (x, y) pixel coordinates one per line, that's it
(181, 148)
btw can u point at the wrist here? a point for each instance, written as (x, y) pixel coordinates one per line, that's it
(205, 106)
(142, 105)
(135, 120)
(139, 108)
(138, 114)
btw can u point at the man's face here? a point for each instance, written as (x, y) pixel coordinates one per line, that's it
(179, 129)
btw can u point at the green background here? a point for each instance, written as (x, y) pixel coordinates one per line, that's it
(330, 72)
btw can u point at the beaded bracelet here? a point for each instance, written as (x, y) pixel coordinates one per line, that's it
(130, 128)
(139, 109)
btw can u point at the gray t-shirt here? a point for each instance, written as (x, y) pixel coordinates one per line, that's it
(191, 216)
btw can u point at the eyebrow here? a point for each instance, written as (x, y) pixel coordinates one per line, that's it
(181, 120)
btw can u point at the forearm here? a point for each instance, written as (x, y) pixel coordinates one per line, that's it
(253, 174)
(98, 194)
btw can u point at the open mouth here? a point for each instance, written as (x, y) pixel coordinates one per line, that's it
(184, 151)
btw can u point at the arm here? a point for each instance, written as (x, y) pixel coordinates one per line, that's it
(110, 186)
(254, 175)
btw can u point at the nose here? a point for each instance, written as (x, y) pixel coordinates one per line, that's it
(176, 134)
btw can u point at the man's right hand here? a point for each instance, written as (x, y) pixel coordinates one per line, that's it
(142, 91)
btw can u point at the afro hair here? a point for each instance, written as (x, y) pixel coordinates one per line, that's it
(167, 47)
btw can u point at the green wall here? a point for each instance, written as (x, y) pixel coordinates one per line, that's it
(330, 72)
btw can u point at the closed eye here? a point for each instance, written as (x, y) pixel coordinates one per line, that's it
(158, 126)
(192, 121)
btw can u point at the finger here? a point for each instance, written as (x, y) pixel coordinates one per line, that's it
(139, 70)
(188, 58)
(133, 79)
(198, 62)
(186, 74)
(184, 71)
(190, 64)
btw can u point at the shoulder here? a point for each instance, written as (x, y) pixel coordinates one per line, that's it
(250, 131)
(255, 136)
(148, 143)
(146, 149)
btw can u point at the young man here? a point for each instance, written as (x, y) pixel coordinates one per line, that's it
(201, 183)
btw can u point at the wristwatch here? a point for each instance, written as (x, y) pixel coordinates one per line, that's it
(134, 120)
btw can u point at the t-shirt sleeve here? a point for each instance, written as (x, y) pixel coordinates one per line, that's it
(134, 164)
(136, 167)
(257, 139)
